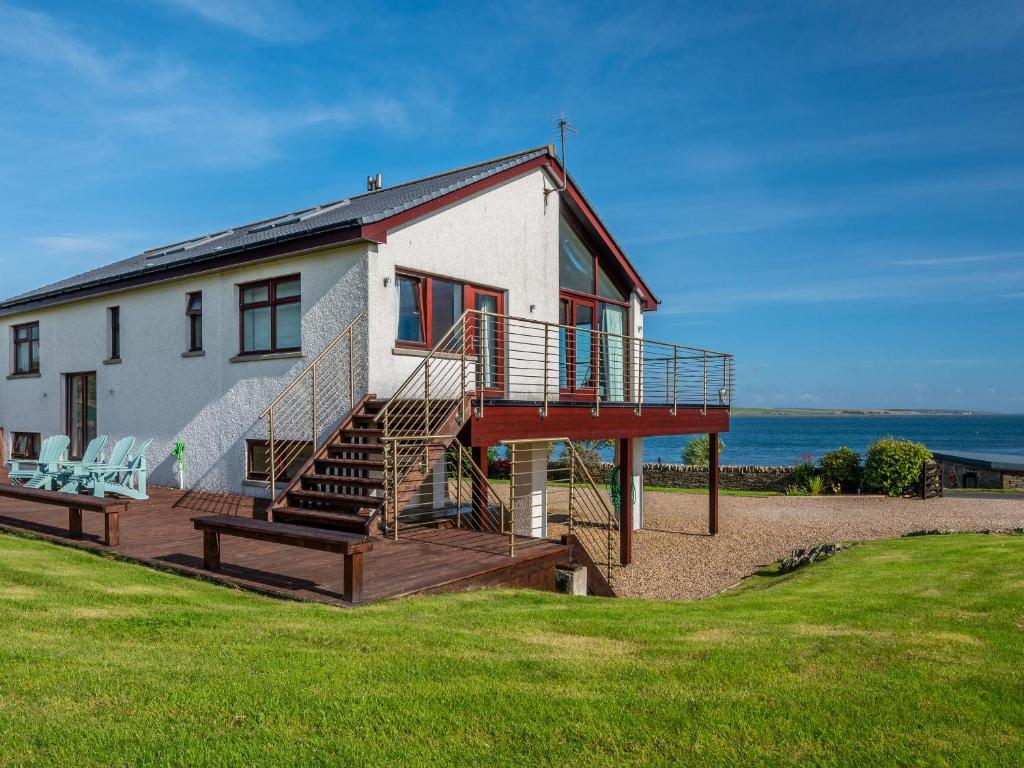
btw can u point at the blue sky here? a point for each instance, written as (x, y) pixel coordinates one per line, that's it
(832, 191)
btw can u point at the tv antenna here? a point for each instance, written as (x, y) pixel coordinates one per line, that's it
(563, 126)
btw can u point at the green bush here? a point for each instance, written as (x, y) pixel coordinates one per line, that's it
(841, 470)
(697, 452)
(815, 485)
(803, 473)
(893, 466)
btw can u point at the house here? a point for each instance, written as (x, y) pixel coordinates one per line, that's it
(967, 469)
(489, 303)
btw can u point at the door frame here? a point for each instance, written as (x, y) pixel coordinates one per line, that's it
(573, 392)
(501, 337)
(84, 432)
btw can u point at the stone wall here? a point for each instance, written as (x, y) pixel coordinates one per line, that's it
(747, 478)
(953, 476)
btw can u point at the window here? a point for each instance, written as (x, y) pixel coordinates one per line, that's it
(410, 310)
(427, 308)
(26, 348)
(114, 319)
(257, 462)
(194, 312)
(579, 269)
(25, 445)
(271, 316)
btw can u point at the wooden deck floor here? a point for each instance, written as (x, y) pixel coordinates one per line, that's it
(159, 532)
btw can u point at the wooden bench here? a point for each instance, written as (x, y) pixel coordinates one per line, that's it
(350, 545)
(111, 509)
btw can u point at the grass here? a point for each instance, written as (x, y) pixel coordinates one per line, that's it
(1007, 491)
(665, 489)
(898, 652)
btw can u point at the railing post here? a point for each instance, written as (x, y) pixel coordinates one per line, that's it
(479, 367)
(597, 373)
(312, 388)
(512, 499)
(351, 373)
(572, 475)
(273, 467)
(675, 380)
(640, 376)
(426, 394)
(544, 411)
(394, 485)
(462, 375)
(704, 412)
(458, 488)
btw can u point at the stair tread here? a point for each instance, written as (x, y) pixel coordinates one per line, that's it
(315, 477)
(356, 447)
(356, 463)
(322, 514)
(338, 498)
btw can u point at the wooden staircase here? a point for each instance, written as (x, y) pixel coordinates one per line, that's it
(342, 486)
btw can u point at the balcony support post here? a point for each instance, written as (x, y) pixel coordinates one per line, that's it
(625, 501)
(479, 491)
(713, 483)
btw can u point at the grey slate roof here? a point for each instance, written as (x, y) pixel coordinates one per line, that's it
(1003, 462)
(350, 212)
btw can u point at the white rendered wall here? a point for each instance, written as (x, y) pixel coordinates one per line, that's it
(209, 402)
(505, 238)
(531, 489)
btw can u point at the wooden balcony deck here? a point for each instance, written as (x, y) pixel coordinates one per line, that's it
(159, 532)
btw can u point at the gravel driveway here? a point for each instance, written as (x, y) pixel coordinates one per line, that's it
(673, 557)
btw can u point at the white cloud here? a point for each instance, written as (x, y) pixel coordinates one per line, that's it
(77, 243)
(941, 261)
(272, 20)
(34, 36)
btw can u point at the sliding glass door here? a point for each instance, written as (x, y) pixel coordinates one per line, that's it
(80, 411)
(488, 339)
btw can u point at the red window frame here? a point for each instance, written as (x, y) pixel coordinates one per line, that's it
(599, 263)
(26, 334)
(283, 447)
(195, 321)
(426, 283)
(273, 302)
(25, 445)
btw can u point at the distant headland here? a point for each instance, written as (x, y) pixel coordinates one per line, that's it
(737, 411)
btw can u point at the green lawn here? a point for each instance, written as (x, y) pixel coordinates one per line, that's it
(899, 652)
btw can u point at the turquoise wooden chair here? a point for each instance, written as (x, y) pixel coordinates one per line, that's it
(125, 477)
(45, 471)
(90, 476)
(74, 471)
(93, 453)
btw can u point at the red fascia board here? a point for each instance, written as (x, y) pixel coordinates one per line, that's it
(378, 231)
(591, 218)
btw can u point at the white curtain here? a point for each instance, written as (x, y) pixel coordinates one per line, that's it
(613, 320)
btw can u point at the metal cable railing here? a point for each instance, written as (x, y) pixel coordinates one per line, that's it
(303, 416)
(572, 502)
(444, 488)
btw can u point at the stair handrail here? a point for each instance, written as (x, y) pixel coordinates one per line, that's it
(347, 330)
(309, 373)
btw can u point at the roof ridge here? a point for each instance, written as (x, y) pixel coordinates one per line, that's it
(306, 209)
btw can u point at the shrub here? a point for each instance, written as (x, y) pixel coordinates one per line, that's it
(803, 472)
(499, 469)
(697, 452)
(894, 466)
(815, 485)
(841, 470)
